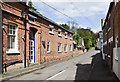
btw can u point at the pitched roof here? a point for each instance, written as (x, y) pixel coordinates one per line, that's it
(49, 20)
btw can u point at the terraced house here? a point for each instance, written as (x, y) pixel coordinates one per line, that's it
(31, 37)
(111, 37)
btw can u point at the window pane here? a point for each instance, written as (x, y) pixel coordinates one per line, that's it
(48, 46)
(59, 32)
(11, 38)
(31, 53)
(31, 57)
(12, 42)
(11, 27)
(31, 48)
(10, 32)
(14, 32)
(50, 29)
(65, 47)
(70, 48)
(31, 43)
(59, 46)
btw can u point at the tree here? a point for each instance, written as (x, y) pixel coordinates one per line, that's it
(76, 38)
(65, 26)
(87, 42)
(30, 4)
(88, 36)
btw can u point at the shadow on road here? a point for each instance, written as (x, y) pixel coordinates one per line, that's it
(97, 70)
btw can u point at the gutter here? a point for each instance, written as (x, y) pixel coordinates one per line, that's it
(110, 7)
(49, 20)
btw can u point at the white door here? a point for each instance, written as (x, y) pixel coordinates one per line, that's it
(31, 51)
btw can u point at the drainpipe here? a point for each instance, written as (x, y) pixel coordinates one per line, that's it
(72, 46)
(40, 47)
(1, 59)
(25, 39)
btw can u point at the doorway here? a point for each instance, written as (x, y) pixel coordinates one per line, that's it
(32, 46)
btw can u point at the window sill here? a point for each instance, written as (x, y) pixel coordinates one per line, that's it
(13, 52)
(59, 52)
(65, 37)
(65, 51)
(51, 33)
(59, 35)
(48, 52)
(116, 58)
(70, 38)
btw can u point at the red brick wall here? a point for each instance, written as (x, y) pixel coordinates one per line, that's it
(15, 18)
(54, 40)
(114, 23)
(107, 34)
(11, 13)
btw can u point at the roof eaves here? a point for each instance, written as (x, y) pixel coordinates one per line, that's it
(40, 15)
(110, 7)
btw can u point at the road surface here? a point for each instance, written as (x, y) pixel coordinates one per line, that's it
(77, 68)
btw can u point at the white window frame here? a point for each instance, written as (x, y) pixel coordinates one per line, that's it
(65, 35)
(70, 47)
(109, 16)
(51, 32)
(116, 46)
(15, 49)
(70, 36)
(65, 48)
(48, 51)
(59, 30)
(59, 47)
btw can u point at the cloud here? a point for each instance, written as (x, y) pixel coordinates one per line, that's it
(60, 23)
(73, 9)
(96, 30)
(73, 0)
(77, 9)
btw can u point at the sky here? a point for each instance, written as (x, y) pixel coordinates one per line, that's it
(86, 13)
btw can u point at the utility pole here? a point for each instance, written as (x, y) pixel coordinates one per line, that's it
(1, 41)
(25, 40)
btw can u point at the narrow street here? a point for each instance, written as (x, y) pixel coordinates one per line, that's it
(77, 68)
(59, 40)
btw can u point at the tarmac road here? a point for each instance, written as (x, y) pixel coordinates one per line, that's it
(77, 68)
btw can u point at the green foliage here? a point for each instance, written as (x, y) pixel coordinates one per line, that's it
(87, 42)
(65, 26)
(88, 36)
(76, 38)
(30, 4)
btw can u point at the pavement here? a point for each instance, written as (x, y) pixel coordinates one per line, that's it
(88, 66)
(23, 71)
(100, 69)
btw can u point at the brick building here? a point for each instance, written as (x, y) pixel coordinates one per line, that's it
(45, 39)
(108, 36)
(54, 42)
(13, 31)
(111, 41)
